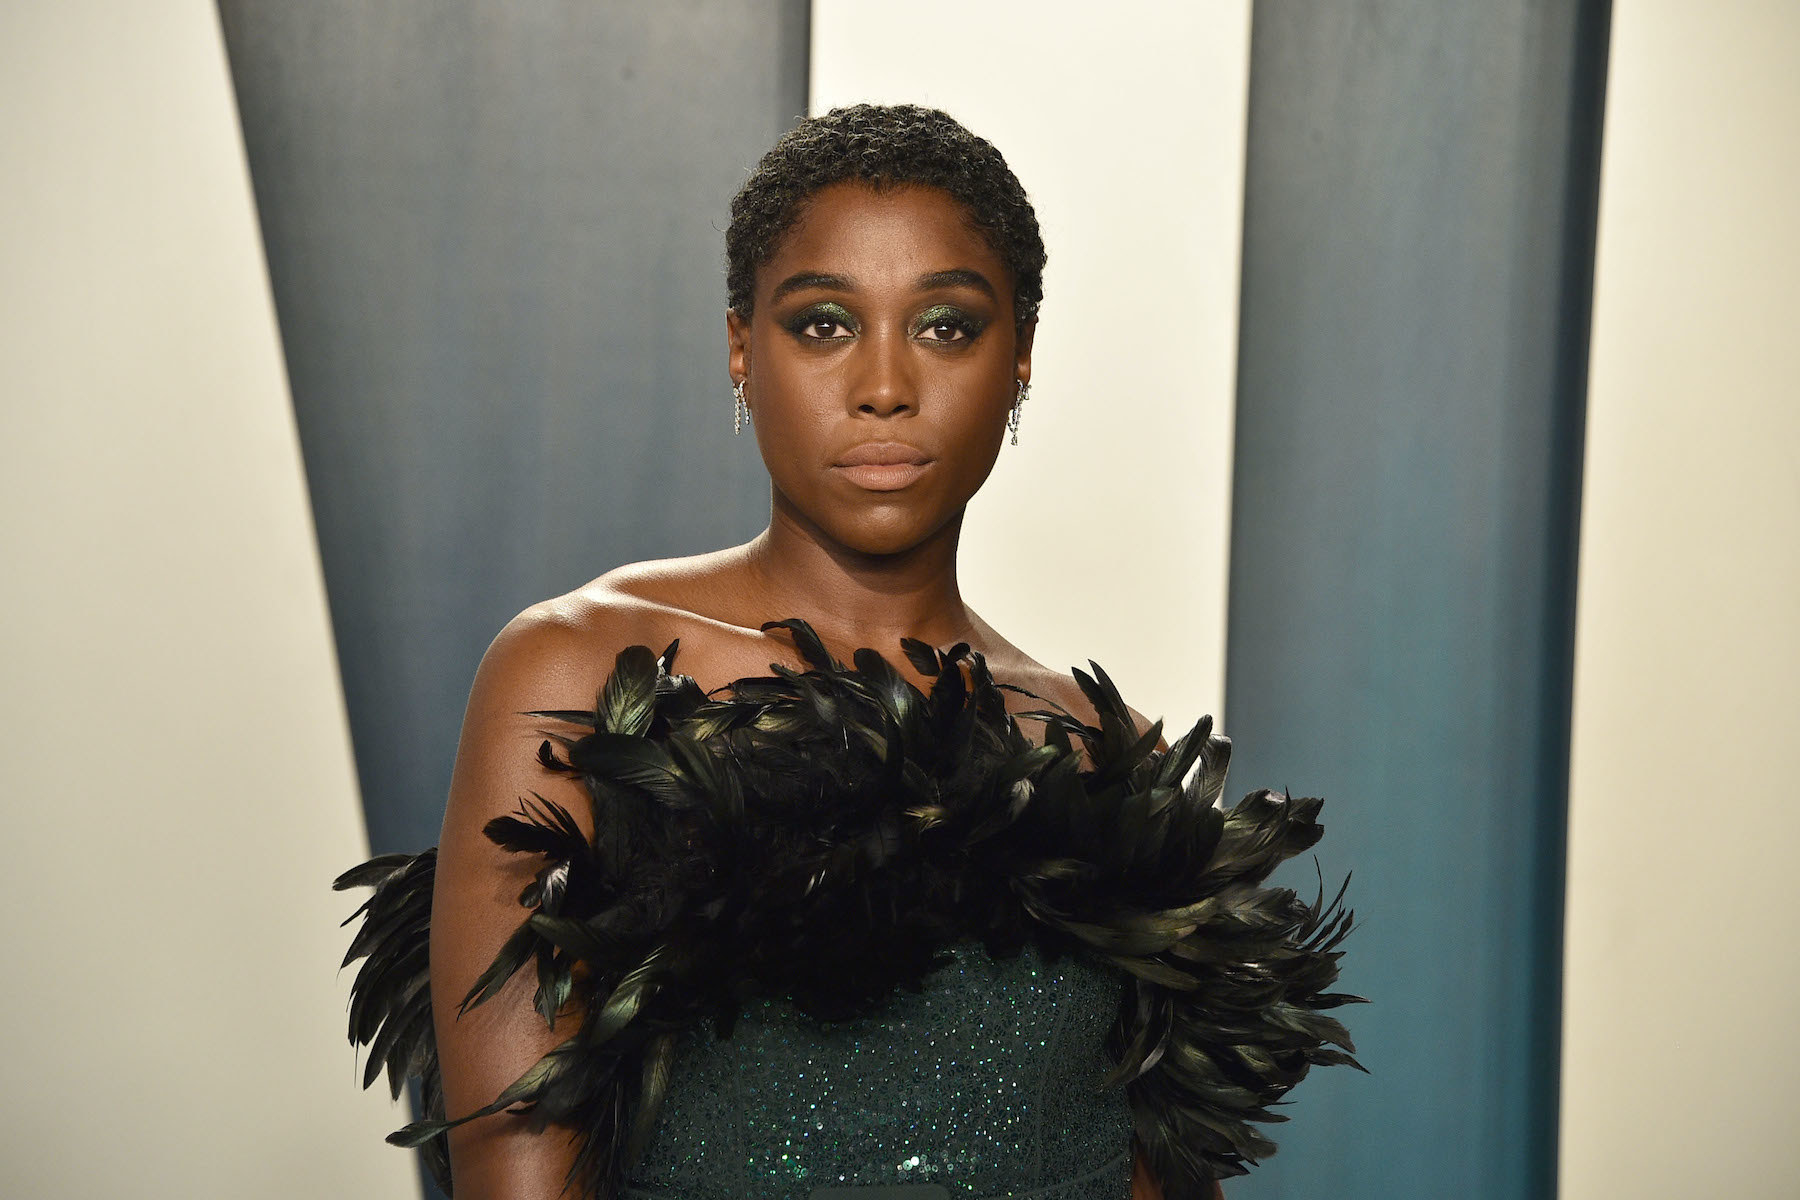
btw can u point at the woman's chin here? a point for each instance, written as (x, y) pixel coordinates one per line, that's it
(885, 539)
(881, 547)
(876, 524)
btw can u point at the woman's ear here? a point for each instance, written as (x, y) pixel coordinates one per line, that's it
(737, 343)
(1022, 342)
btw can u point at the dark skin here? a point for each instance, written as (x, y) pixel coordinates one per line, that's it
(883, 316)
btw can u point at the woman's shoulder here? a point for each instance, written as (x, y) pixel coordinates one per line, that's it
(1014, 667)
(567, 638)
(577, 636)
(568, 643)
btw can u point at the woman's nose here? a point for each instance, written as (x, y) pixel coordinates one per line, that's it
(883, 385)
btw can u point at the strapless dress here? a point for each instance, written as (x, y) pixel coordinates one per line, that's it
(834, 937)
(984, 1084)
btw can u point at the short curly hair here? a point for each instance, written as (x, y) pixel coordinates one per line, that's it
(885, 146)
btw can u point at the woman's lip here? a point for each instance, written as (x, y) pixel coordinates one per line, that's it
(882, 454)
(882, 477)
(882, 466)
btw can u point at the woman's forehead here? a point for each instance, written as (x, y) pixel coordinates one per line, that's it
(882, 235)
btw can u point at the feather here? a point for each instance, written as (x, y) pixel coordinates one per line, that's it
(811, 649)
(923, 657)
(760, 841)
(629, 695)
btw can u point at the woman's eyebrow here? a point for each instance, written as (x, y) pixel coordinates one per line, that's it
(957, 277)
(810, 279)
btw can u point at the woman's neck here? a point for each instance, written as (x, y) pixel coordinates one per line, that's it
(853, 599)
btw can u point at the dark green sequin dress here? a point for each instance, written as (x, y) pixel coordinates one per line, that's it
(984, 1084)
(834, 938)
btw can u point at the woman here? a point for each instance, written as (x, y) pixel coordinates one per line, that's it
(803, 929)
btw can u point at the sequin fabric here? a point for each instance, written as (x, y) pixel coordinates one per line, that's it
(983, 1083)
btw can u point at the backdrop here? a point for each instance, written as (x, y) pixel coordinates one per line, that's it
(493, 239)
(1314, 418)
(1418, 248)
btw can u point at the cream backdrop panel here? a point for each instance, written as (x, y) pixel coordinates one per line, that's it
(1103, 533)
(179, 789)
(1680, 1072)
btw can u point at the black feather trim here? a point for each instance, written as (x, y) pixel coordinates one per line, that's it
(759, 843)
(390, 1005)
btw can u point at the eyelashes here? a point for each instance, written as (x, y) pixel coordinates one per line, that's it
(807, 323)
(943, 324)
(947, 323)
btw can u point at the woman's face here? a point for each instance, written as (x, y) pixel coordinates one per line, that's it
(879, 365)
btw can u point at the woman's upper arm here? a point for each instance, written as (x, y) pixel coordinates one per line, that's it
(539, 661)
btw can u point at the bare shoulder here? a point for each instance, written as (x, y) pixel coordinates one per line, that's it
(658, 580)
(580, 631)
(553, 654)
(1013, 666)
(572, 640)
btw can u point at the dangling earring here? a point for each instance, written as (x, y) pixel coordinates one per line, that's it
(740, 409)
(1012, 418)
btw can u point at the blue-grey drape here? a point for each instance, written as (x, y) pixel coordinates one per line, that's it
(1418, 246)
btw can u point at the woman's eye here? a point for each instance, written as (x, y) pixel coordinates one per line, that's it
(946, 324)
(824, 323)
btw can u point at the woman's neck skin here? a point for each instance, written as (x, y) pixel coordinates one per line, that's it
(854, 599)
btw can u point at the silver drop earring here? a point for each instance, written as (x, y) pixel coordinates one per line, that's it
(740, 409)
(1012, 418)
